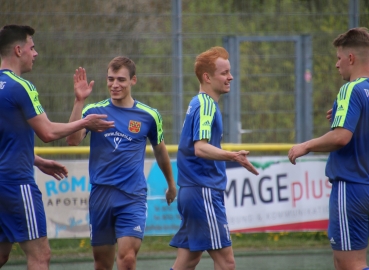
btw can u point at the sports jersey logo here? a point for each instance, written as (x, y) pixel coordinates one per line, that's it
(188, 109)
(206, 123)
(366, 92)
(117, 141)
(340, 108)
(134, 126)
(2, 85)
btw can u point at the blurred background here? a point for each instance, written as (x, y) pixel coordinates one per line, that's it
(164, 37)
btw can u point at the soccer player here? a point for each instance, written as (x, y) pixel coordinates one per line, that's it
(22, 215)
(118, 204)
(201, 169)
(348, 163)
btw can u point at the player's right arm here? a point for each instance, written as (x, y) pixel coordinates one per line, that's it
(81, 90)
(49, 131)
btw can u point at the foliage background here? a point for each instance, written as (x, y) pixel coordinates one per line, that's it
(90, 33)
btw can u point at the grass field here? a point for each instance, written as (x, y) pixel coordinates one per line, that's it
(256, 244)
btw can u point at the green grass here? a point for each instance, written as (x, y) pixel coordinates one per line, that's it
(154, 246)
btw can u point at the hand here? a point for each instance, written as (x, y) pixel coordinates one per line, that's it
(241, 158)
(170, 194)
(95, 122)
(81, 88)
(297, 151)
(329, 115)
(53, 168)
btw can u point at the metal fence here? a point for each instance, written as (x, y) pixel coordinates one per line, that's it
(90, 33)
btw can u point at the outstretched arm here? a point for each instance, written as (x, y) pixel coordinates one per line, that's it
(205, 150)
(331, 141)
(82, 89)
(49, 131)
(51, 167)
(162, 157)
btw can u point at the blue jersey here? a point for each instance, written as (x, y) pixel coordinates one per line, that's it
(18, 103)
(203, 121)
(351, 111)
(117, 155)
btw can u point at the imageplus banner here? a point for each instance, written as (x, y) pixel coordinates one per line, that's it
(283, 197)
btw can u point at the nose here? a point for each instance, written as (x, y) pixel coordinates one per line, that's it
(115, 83)
(230, 77)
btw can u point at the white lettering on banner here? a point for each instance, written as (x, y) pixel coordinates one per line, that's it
(281, 194)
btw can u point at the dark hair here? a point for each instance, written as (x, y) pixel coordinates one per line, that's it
(205, 62)
(10, 34)
(121, 61)
(353, 38)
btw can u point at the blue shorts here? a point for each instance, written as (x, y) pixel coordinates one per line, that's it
(22, 214)
(115, 214)
(348, 216)
(204, 223)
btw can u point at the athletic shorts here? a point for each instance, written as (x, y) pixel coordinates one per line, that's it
(115, 214)
(22, 214)
(348, 216)
(204, 223)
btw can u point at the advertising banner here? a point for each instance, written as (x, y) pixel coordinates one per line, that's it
(283, 197)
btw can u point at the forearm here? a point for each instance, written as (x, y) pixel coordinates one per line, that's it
(329, 142)
(38, 161)
(208, 151)
(163, 160)
(76, 137)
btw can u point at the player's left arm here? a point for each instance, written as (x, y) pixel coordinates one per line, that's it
(162, 157)
(51, 167)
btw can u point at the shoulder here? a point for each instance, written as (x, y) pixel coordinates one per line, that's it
(101, 104)
(18, 81)
(149, 110)
(359, 86)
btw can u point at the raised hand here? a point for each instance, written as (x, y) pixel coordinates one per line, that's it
(82, 89)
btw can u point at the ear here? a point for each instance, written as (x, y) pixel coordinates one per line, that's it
(134, 80)
(17, 50)
(352, 58)
(206, 77)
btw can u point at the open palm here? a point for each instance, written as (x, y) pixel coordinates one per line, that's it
(82, 89)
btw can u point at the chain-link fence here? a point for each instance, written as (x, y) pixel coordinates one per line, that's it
(90, 33)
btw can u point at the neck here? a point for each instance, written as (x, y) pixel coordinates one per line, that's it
(7, 63)
(127, 102)
(209, 91)
(361, 72)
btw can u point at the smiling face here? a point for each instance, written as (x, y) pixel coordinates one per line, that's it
(119, 83)
(220, 80)
(27, 54)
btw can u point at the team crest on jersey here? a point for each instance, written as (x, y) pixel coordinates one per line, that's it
(134, 126)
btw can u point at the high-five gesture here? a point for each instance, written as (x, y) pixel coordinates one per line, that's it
(82, 89)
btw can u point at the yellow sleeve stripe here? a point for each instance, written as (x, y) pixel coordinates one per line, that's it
(30, 89)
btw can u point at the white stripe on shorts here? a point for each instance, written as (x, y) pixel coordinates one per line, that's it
(212, 219)
(29, 211)
(342, 216)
